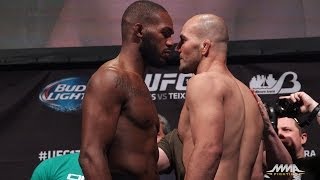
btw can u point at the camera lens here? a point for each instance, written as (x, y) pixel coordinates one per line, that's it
(286, 108)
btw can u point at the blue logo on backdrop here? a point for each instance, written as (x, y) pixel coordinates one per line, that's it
(64, 95)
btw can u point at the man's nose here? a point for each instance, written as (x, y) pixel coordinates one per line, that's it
(281, 134)
(169, 42)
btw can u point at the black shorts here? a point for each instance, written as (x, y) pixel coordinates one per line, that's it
(123, 176)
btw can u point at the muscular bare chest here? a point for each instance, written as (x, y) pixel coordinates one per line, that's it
(139, 107)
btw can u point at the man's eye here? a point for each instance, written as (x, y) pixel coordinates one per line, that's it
(166, 33)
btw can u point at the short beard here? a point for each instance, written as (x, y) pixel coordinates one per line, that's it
(149, 52)
(188, 68)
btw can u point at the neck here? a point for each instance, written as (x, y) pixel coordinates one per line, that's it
(214, 63)
(131, 60)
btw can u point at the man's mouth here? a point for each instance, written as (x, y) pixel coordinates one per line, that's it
(167, 52)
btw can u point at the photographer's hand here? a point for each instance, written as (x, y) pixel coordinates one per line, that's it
(308, 104)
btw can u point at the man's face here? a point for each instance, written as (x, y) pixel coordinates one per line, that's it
(157, 42)
(189, 50)
(290, 135)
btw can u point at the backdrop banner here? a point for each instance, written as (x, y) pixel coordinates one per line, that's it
(40, 109)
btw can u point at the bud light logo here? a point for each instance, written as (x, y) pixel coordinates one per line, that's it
(64, 95)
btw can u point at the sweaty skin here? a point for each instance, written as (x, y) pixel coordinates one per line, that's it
(220, 124)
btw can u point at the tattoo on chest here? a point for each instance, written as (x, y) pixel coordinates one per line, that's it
(133, 91)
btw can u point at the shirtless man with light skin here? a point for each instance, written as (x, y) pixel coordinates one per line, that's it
(220, 125)
(120, 122)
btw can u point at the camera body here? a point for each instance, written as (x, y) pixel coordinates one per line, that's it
(283, 108)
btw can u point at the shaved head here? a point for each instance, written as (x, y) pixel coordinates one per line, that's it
(203, 36)
(208, 26)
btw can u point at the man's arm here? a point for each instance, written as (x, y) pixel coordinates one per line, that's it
(166, 156)
(163, 161)
(207, 127)
(257, 171)
(100, 113)
(276, 152)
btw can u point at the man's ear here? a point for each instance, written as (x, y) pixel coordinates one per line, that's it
(206, 44)
(304, 137)
(138, 29)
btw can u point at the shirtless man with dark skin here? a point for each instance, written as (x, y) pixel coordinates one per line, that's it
(120, 121)
(220, 125)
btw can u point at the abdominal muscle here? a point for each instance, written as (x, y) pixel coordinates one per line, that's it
(133, 151)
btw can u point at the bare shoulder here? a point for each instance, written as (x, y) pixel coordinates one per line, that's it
(249, 101)
(106, 78)
(243, 87)
(206, 82)
(245, 90)
(206, 85)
